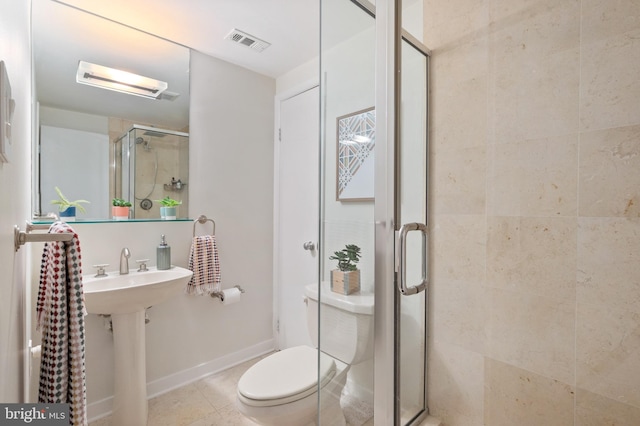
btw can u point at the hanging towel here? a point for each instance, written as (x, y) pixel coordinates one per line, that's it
(205, 264)
(61, 311)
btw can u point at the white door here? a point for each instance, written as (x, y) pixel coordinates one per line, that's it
(297, 214)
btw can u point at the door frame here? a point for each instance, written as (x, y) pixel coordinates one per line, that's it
(385, 385)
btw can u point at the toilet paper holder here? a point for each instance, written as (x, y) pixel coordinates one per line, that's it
(220, 295)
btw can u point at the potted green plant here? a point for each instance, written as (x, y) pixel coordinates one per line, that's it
(68, 208)
(120, 209)
(346, 278)
(168, 209)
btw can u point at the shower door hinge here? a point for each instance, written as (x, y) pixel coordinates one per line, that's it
(278, 326)
(280, 134)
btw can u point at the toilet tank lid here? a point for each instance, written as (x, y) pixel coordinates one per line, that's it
(359, 303)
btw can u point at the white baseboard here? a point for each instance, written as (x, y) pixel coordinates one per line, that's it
(102, 408)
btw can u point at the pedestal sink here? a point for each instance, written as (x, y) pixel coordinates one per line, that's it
(125, 298)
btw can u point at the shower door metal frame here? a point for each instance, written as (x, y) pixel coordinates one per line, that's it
(389, 38)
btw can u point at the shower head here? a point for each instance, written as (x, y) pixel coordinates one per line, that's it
(145, 143)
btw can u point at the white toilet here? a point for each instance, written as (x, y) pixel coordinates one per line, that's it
(282, 389)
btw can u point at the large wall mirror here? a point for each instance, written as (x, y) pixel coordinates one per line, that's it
(97, 144)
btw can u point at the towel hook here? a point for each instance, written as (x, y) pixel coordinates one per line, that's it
(203, 219)
(20, 238)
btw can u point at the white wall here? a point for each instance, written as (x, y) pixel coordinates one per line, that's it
(77, 162)
(231, 169)
(14, 191)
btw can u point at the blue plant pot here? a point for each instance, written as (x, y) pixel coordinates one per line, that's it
(68, 214)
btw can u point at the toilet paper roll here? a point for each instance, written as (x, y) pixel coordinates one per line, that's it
(231, 296)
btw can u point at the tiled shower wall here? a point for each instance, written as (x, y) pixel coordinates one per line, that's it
(535, 212)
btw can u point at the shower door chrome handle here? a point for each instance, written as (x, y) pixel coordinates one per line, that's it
(401, 259)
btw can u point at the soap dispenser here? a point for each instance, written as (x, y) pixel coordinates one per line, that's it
(164, 255)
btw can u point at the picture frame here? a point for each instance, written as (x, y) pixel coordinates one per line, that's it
(7, 106)
(355, 140)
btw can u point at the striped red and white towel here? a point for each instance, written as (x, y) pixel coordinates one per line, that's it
(204, 261)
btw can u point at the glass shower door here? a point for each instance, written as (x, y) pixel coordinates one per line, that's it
(374, 195)
(347, 93)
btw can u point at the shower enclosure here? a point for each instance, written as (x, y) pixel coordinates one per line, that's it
(373, 186)
(150, 164)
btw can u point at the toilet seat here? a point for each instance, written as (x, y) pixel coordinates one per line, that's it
(285, 376)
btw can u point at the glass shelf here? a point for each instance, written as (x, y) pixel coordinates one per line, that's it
(44, 222)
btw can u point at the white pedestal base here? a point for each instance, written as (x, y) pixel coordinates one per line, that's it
(130, 406)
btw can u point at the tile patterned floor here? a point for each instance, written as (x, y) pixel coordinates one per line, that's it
(211, 402)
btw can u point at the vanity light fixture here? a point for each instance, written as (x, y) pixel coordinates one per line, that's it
(120, 81)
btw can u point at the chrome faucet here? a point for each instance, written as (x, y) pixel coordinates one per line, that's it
(125, 254)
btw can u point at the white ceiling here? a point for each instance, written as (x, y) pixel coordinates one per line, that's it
(291, 26)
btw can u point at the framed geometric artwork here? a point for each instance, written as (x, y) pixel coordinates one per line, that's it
(356, 137)
(7, 105)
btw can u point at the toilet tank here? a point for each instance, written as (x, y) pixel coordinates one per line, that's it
(346, 326)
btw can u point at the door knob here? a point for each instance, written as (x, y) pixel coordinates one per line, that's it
(309, 246)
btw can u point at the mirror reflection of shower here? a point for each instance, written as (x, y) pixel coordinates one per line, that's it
(145, 202)
(150, 164)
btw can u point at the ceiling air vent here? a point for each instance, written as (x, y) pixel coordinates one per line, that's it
(248, 40)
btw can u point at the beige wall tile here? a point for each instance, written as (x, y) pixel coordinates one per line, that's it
(608, 322)
(458, 245)
(518, 397)
(606, 18)
(533, 255)
(457, 278)
(556, 305)
(458, 313)
(609, 178)
(459, 316)
(536, 72)
(532, 332)
(610, 82)
(508, 12)
(610, 57)
(534, 178)
(454, 22)
(456, 376)
(458, 75)
(608, 352)
(459, 135)
(596, 410)
(459, 181)
(608, 269)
